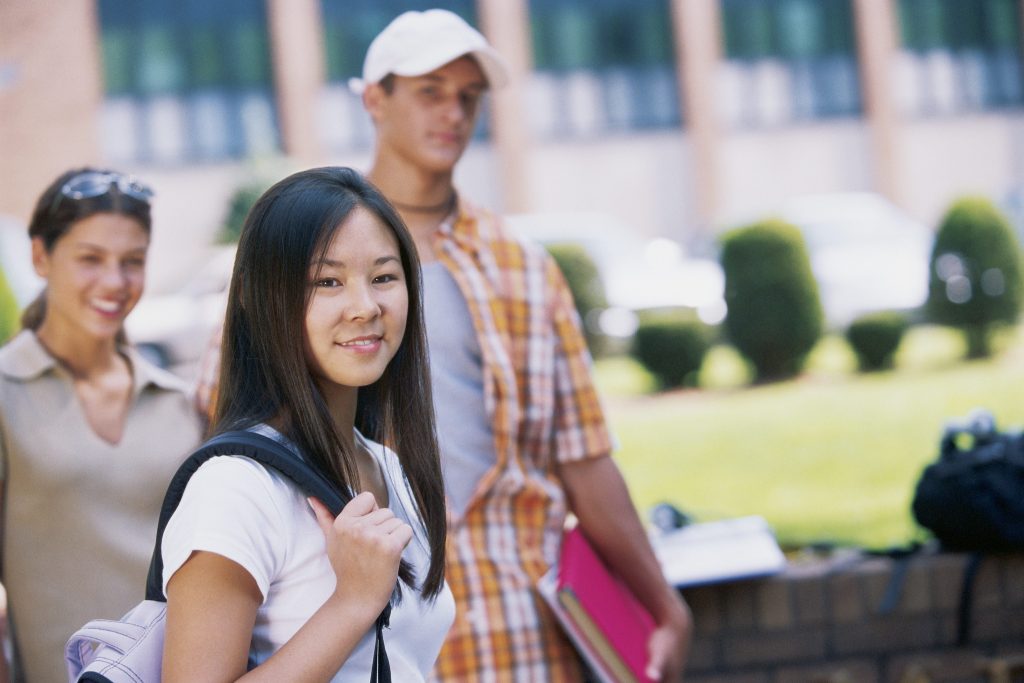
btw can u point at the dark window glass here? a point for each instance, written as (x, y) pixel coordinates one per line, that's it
(187, 81)
(749, 29)
(788, 29)
(602, 66)
(788, 60)
(961, 55)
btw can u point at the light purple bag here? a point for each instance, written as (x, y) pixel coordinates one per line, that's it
(131, 650)
(127, 651)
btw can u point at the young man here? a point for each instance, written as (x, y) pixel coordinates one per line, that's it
(522, 434)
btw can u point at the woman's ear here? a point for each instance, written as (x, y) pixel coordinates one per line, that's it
(40, 257)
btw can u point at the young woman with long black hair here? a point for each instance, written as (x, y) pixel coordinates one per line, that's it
(324, 350)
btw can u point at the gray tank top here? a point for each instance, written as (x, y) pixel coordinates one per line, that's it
(456, 366)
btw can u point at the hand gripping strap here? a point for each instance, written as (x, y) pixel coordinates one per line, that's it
(268, 453)
(263, 450)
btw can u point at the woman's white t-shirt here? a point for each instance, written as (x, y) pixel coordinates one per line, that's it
(235, 507)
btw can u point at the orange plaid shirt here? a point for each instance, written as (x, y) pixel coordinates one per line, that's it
(544, 410)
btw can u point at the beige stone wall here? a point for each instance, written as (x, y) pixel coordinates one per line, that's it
(50, 94)
(677, 182)
(944, 157)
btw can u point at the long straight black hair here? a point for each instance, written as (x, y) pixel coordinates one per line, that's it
(264, 375)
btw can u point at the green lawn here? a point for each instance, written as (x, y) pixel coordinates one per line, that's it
(832, 456)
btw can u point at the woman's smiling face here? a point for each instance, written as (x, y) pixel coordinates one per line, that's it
(356, 315)
(95, 274)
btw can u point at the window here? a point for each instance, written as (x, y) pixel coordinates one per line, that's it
(601, 66)
(186, 81)
(349, 27)
(788, 60)
(959, 55)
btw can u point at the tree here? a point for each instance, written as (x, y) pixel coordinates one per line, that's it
(584, 280)
(974, 280)
(9, 312)
(774, 312)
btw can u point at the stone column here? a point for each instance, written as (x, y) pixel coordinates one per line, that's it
(51, 94)
(698, 41)
(506, 24)
(298, 62)
(876, 30)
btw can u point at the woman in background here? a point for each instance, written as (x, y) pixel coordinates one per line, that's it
(90, 432)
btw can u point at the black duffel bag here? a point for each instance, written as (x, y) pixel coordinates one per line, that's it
(972, 497)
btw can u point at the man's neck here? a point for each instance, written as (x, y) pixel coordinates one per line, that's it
(423, 199)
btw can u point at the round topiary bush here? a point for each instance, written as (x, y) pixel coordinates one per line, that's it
(975, 281)
(9, 311)
(672, 346)
(587, 289)
(242, 199)
(874, 337)
(774, 315)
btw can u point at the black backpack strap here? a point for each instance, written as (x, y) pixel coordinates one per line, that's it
(901, 557)
(273, 454)
(963, 615)
(380, 669)
(258, 447)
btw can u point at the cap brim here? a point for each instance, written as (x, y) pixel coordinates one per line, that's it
(489, 60)
(491, 63)
(493, 66)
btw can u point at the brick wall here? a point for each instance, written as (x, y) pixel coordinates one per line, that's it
(50, 96)
(827, 621)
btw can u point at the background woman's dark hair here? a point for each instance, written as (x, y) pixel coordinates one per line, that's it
(53, 217)
(264, 376)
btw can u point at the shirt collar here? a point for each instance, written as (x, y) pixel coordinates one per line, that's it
(145, 373)
(464, 210)
(25, 358)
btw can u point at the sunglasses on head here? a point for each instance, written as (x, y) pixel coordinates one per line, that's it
(91, 184)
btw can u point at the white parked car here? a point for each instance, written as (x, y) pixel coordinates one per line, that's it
(637, 272)
(867, 254)
(174, 329)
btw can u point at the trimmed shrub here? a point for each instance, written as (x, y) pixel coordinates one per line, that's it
(672, 345)
(242, 199)
(975, 281)
(774, 315)
(9, 311)
(587, 289)
(874, 337)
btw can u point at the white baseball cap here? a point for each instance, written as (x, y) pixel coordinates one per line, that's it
(416, 43)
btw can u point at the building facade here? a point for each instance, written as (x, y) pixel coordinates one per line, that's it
(680, 117)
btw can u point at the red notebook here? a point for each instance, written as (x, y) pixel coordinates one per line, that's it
(601, 615)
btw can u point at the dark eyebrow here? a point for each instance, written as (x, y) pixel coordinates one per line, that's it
(98, 247)
(434, 78)
(341, 264)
